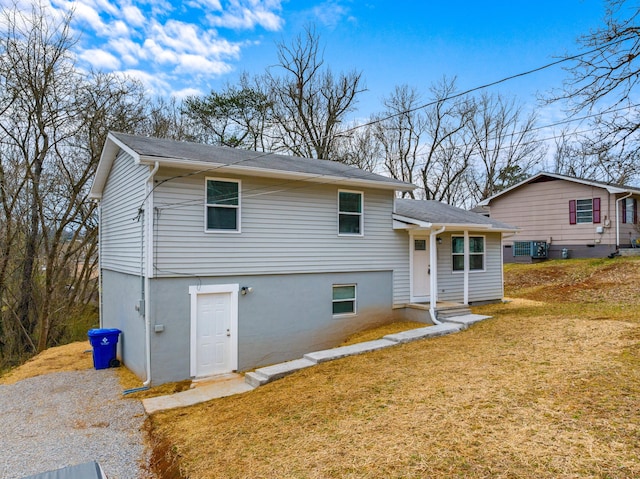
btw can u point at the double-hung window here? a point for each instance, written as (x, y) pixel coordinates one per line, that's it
(350, 213)
(584, 211)
(222, 205)
(344, 299)
(630, 210)
(476, 253)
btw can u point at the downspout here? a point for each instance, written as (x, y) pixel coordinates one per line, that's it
(433, 278)
(100, 278)
(618, 219)
(149, 258)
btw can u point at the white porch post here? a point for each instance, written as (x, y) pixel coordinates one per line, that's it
(433, 276)
(466, 267)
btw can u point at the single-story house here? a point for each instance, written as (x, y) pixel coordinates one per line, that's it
(216, 259)
(558, 213)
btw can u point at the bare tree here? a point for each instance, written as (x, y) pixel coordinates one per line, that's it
(448, 149)
(398, 130)
(54, 122)
(309, 101)
(505, 145)
(604, 81)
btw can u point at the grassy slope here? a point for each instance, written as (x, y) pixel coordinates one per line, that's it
(549, 388)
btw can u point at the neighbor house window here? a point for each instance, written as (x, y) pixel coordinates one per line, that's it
(344, 299)
(476, 253)
(349, 213)
(630, 210)
(584, 211)
(223, 205)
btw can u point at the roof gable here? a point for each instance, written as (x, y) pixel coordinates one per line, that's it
(207, 158)
(544, 176)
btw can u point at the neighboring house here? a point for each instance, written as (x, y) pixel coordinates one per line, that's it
(215, 259)
(584, 218)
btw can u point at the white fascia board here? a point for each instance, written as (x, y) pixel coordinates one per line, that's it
(412, 222)
(111, 147)
(206, 166)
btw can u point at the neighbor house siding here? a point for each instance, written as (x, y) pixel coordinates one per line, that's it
(121, 225)
(286, 228)
(541, 210)
(483, 285)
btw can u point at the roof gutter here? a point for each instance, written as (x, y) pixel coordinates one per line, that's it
(618, 218)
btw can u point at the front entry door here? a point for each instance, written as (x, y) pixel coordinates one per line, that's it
(213, 334)
(421, 281)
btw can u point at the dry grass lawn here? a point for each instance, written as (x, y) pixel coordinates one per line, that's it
(71, 357)
(548, 388)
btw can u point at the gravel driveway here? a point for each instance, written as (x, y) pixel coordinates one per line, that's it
(69, 418)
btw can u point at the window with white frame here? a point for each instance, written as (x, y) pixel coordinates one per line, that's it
(584, 211)
(476, 253)
(344, 299)
(222, 205)
(350, 213)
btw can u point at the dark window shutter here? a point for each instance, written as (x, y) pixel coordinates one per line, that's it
(623, 204)
(635, 211)
(572, 212)
(596, 210)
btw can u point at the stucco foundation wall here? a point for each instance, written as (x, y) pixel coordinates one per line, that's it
(120, 294)
(555, 252)
(283, 318)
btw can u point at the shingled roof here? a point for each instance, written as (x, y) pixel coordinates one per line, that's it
(440, 214)
(197, 156)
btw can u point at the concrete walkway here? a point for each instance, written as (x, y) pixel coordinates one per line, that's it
(231, 384)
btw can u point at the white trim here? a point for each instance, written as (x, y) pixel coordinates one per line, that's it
(237, 207)
(361, 215)
(413, 236)
(467, 253)
(194, 291)
(355, 299)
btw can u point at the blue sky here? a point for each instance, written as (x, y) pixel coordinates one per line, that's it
(192, 47)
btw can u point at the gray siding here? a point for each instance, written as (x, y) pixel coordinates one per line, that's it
(483, 285)
(120, 234)
(286, 228)
(284, 317)
(120, 294)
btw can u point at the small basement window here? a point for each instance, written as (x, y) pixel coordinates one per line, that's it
(344, 299)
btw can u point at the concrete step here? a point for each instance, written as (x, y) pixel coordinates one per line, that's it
(465, 320)
(452, 312)
(271, 373)
(344, 351)
(421, 333)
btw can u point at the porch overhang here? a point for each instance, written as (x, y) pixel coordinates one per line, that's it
(405, 223)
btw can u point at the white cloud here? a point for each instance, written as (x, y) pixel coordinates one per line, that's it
(100, 59)
(330, 13)
(86, 13)
(198, 64)
(133, 16)
(155, 84)
(130, 52)
(185, 92)
(247, 14)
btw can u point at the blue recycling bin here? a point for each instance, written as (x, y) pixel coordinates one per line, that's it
(105, 345)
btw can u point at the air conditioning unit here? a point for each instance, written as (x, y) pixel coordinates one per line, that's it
(533, 249)
(539, 249)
